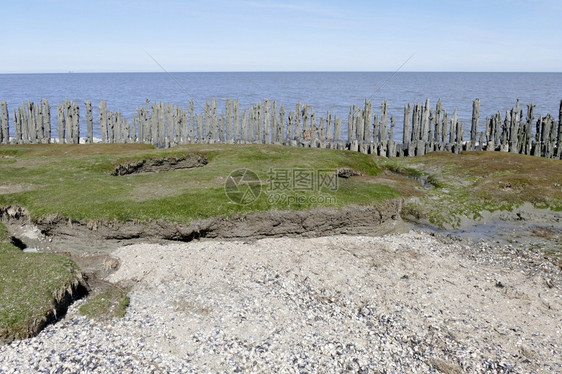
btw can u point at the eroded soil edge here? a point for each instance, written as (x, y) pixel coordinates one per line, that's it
(90, 244)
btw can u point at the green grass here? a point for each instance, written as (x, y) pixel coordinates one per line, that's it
(468, 184)
(106, 306)
(30, 286)
(74, 181)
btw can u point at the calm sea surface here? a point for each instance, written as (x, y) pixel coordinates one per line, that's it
(325, 91)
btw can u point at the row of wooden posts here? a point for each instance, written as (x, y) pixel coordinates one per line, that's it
(425, 129)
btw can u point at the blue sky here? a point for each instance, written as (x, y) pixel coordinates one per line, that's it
(273, 35)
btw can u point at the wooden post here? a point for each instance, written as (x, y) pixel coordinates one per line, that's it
(89, 121)
(275, 124)
(103, 121)
(283, 136)
(4, 123)
(438, 126)
(337, 130)
(360, 126)
(391, 152)
(454, 133)
(367, 136)
(545, 135)
(35, 126)
(514, 129)
(191, 128)
(298, 118)
(488, 134)
(406, 135)
(528, 138)
(200, 136)
(23, 123)
(141, 131)
(76, 123)
(229, 108)
(220, 126)
(559, 141)
(244, 127)
(266, 122)
(237, 130)
(475, 119)
(291, 127)
(61, 126)
(446, 131)
(350, 135)
(497, 129)
(383, 129)
(46, 111)
(552, 138)
(424, 129)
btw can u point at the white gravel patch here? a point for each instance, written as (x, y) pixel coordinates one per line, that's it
(400, 303)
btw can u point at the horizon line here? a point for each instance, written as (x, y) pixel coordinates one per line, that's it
(281, 71)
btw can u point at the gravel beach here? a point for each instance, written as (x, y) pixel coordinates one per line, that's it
(402, 303)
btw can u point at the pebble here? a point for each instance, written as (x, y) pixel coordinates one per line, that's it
(337, 304)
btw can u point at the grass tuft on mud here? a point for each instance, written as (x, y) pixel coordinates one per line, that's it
(466, 185)
(34, 288)
(106, 306)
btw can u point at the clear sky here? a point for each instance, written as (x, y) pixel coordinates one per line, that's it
(276, 35)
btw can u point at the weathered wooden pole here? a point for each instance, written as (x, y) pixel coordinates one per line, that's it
(275, 123)
(552, 138)
(266, 122)
(291, 127)
(214, 121)
(229, 121)
(406, 135)
(283, 137)
(46, 112)
(141, 126)
(103, 121)
(299, 125)
(424, 129)
(514, 129)
(526, 140)
(89, 121)
(67, 111)
(350, 132)
(383, 129)
(4, 123)
(367, 113)
(76, 123)
(438, 126)
(475, 119)
(488, 134)
(61, 126)
(36, 123)
(200, 135)
(391, 147)
(237, 130)
(22, 113)
(446, 131)
(454, 133)
(220, 126)
(460, 134)
(337, 130)
(559, 138)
